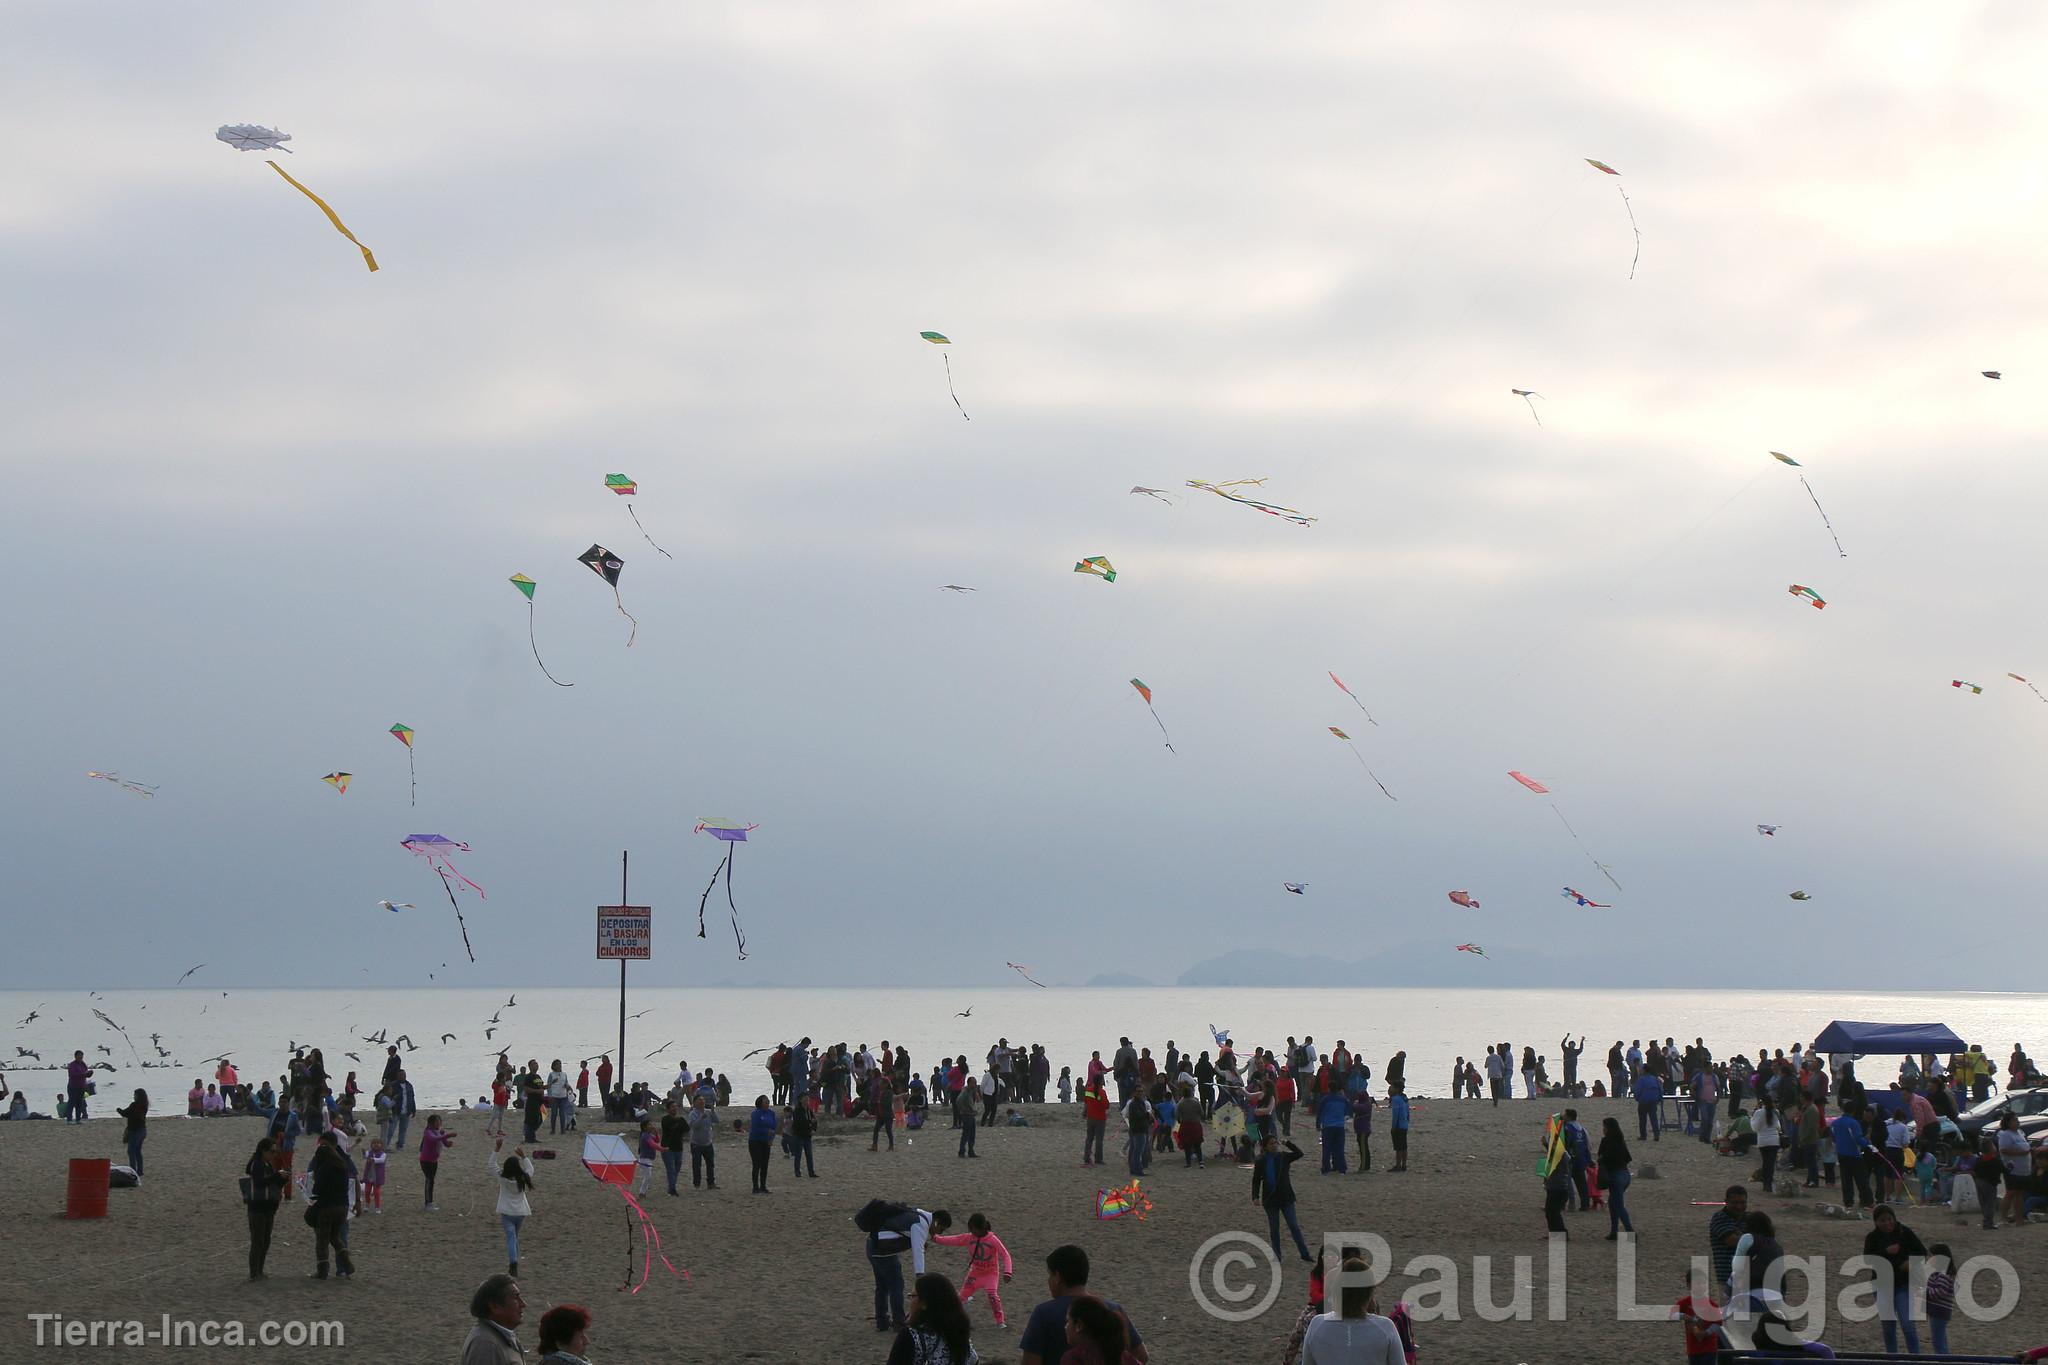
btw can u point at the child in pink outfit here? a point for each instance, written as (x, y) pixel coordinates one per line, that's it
(988, 1265)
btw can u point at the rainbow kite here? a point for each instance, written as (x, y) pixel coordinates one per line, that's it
(403, 734)
(626, 488)
(1123, 1200)
(1097, 565)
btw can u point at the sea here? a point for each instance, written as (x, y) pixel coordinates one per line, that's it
(449, 1057)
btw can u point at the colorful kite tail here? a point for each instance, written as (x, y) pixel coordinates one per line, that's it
(643, 531)
(635, 633)
(339, 226)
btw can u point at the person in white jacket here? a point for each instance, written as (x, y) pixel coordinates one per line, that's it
(561, 1099)
(515, 1178)
(1355, 1335)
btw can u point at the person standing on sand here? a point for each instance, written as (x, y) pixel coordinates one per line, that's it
(265, 1185)
(1496, 1073)
(1613, 1161)
(327, 1174)
(404, 1105)
(604, 1080)
(1649, 1096)
(885, 1249)
(498, 1308)
(1571, 1061)
(137, 1129)
(1333, 1116)
(1095, 1110)
(1273, 1187)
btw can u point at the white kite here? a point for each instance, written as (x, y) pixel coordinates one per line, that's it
(253, 137)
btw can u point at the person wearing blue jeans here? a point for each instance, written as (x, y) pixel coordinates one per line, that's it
(1332, 1112)
(675, 1135)
(1649, 1093)
(137, 1115)
(1894, 1246)
(1273, 1186)
(1613, 1159)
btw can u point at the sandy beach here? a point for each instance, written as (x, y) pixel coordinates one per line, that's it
(782, 1277)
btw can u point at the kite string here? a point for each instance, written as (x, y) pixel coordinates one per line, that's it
(1823, 517)
(1632, 262)
(643, 531)
(1597, 864)
(450, 889)
(949, 385)
(622, 607)
(709, 887)
(536, 648)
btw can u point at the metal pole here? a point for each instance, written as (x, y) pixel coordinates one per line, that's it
(622, 988)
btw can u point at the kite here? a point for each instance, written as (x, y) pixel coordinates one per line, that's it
(1606, 169)
(1160, 493)
(1222, 1036)
(1801, 590)
(608, 566)
(1992, 374)
(1801, 896)
(1585, 901)
(134, 788)
(1146, 693)
(607, 1157)
(435, 849)
(253, 137)
(1472, 948)
(941, 339)
(1768, 831)
(395, 906)
(1464, 898)
(956, 587)
(1221, 490)
(1958, 682)
(1361, 762)
(1525, 395)
(338, 781)
(1533, 785)
(1098, 565)
(1783, 458)
(1025, 972)
(1124, 1199)
(731, 833)
(339, 226)
(1354, 698)
(2029, 686)
(626, 488)
(403, 734)
(1298, 888)
(526, 586)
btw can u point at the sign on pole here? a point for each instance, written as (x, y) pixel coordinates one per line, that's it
(625, 932)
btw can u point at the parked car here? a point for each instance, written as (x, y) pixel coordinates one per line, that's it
(2030, 1105)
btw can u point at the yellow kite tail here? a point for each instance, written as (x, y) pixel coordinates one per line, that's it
(339, 226)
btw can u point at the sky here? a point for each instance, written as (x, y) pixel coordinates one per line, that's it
(257, 504)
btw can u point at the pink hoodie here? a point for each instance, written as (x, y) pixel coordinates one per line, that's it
(981, 1262)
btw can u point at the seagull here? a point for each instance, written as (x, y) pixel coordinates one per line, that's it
(395, 906)
(104, 1048)
(658, 1051)
(957, 587)
(489, 1034)
(102, 1066)
(495, 1017)
(966, 1013)
(33, 1015)
(510, 1002)
(181, 980)
(755, 1053)
(352, 1057)
(447, 1038)
(163, 1052)
(24, 1052)
(377, 1037)
(636, 1016)
(1525, 395)
(410, 1045)
(1992, 374)
(155, 1038)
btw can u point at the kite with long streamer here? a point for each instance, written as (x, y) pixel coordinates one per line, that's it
(2029, 686)
(132, 788)
(609, 566)
(1533, 785)
(1582, 900)
(436, 849)
(1025, 972)
(1222, 490)
(607, 1157)
(403, 734)
(1097, 565)
(941, 339)
(731, 833)
(1782, 458)
(1801, 590)
(1606, 169)
(332, 217)
(1354, 698)
(338, 781)
(1125, 1201)
(626, 488)
(526, 586)
(1527, 396)
(1362, 763)
(1146, 693)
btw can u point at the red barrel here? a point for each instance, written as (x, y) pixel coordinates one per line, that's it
(85, 1194)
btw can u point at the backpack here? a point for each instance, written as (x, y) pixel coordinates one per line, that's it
(883, 1215)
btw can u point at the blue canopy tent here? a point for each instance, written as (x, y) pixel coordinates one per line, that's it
(1862, 1040)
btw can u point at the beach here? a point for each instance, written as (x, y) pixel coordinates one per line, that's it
(782, 1277)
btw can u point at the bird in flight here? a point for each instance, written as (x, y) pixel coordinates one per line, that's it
(24, 1052)
(447, 1038)
(510, 1002)
(489, 1034)
(104, 1048)
(352, 1057)
(957, 587)
(966, 1013)
(410, 1045)
(33, 1015)
(636, 1016)
(181, 980)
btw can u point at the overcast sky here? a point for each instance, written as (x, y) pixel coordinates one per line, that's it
(257, 504)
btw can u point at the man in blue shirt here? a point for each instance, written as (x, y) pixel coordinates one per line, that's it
(1649, 1093)
(1850, 1140)
(1333, 1113)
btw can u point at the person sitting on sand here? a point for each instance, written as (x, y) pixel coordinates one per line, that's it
(498, 1308)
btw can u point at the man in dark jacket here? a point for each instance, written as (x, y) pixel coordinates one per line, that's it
(329, 1173)
(1273, 1186)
